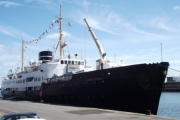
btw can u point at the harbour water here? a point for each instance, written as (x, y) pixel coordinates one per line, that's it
(169, 105)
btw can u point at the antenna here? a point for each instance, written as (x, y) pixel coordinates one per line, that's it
(22, 57)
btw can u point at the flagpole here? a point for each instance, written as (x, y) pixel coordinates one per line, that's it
(22, 56)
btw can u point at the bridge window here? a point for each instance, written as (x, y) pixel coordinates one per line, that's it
(78, 62)
(82, 63)
(69, 62)
(62, 62)
(65, 62)
(73, 62)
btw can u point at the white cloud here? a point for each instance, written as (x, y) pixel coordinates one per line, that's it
(13, 32)
(82, 3)
(10, 58)
(46, 3)
(1, 47)
(174, 61)
(39, 1)
(94, 23)
(176, 7)
(160, 23)
(5, 31)
(66, 34)
(8, 4)
(53, 36)
(115, 24)
(86, 3)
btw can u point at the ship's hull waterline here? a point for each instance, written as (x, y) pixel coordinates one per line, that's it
(134, 88)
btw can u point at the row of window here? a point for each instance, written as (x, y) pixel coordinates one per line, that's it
(30, 79)
(72, 62)
(27, 88)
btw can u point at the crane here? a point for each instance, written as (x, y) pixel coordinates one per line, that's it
(103, 60)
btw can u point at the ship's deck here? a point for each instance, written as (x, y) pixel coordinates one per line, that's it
(61, 112)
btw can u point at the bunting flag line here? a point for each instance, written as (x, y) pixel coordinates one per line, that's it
(36, 40)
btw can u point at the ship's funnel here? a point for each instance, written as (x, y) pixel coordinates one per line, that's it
(45, 56)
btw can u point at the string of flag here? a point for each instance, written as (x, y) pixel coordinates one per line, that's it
(46, 31)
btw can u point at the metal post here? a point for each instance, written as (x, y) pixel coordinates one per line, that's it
(22, 56)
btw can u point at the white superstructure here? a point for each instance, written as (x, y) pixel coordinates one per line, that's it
(32, 77)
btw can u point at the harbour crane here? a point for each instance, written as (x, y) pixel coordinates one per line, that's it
(103, 60)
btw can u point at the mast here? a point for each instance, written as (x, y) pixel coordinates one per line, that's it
(61, 43)
(101, 50)
(22, 56)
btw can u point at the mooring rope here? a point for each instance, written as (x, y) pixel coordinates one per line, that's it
(174, 69)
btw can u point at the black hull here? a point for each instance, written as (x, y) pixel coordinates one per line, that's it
(135, 88)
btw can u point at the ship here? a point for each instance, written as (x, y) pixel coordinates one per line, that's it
(172, 84)
(70, 80)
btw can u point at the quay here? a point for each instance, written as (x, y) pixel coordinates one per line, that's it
(61, 112)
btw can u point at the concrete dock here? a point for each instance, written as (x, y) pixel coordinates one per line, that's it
(61, 112)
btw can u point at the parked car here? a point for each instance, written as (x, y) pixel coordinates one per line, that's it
(17, 116)
(31, 119)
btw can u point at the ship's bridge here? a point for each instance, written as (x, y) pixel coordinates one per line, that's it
(72, 62)
(73, 65)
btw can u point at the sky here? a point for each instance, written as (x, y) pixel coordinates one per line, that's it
(129, 30)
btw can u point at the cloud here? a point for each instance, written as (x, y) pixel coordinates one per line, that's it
(175, 61)
(115, 24)
(53, 36)
(10, 58)
(161, 23)
(6, 32)
(82, 3)
(39, 1)
(1, 47)
(109, 21)
(94, 23)
(47, 3)
(13, 32)
(86, 3)
(8, 4)
(176, 8)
